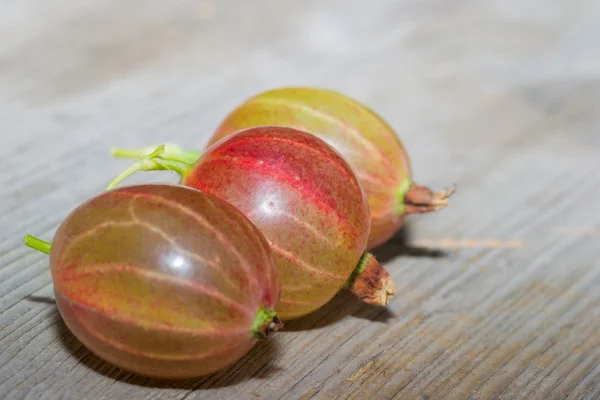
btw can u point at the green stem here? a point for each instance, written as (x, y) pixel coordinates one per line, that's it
(171, 151)
(265, 323)
(37, 244)
(360, 268)
(400, 194)
(155, 161)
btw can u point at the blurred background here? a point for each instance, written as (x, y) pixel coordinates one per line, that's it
(457, 79)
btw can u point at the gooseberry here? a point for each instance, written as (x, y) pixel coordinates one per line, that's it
(163, 280)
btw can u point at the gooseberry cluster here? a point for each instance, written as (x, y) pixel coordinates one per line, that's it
(268, 223)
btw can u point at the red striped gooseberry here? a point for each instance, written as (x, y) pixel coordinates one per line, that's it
(163, 280)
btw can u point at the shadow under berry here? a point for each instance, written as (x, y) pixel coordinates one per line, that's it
(343, 304)
(399, 245)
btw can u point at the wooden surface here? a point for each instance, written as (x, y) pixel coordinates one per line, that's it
(498, 296)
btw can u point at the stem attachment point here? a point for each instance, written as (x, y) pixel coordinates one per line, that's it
(266, 323)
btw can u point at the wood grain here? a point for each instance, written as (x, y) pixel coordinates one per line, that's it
(497, 296)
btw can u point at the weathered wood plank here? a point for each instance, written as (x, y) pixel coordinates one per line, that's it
(497, 296)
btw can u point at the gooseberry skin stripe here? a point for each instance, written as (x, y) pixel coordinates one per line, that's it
(159, 277)
(227, 353)
(332, 159)
(190, 213)
(218, 235)
(276, 173)
(158, 356)
(381, 185)
(303, 264)
(302, 224)
(111, 224)
(266, 269)
(354, 133)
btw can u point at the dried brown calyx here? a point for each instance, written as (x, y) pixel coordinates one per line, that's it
(421, 199)
(370, 282)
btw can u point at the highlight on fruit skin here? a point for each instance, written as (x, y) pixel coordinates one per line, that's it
(306, 200)
(163, 280)
(361, 136)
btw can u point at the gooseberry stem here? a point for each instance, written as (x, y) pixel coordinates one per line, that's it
(37, 244)
(417, 199)
(171, 151)
(359, 269)
(265, 323)
(401, 194)
(155, 161)
(370, 282)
